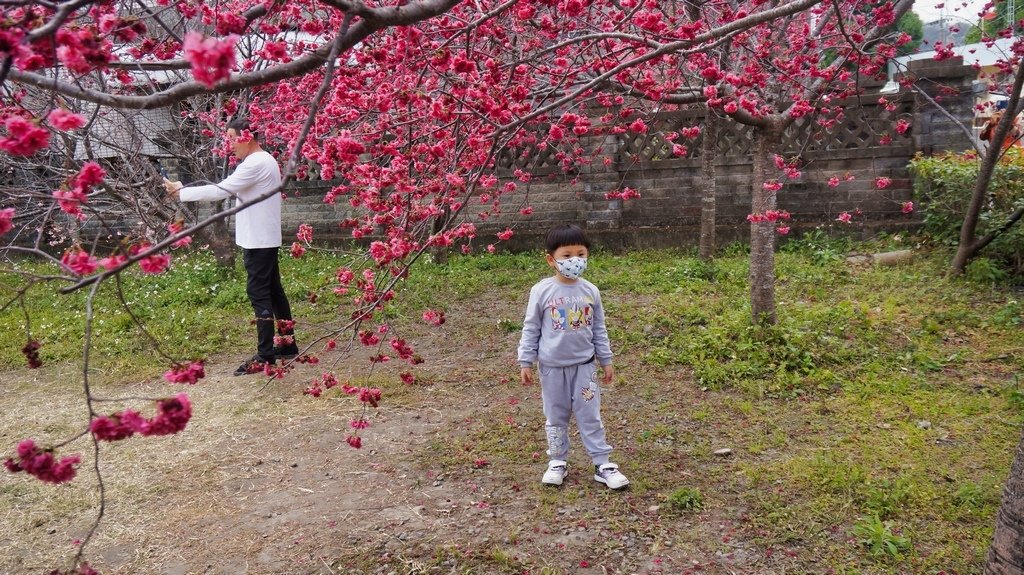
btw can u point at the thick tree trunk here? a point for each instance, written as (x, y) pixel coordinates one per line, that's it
(1006, 555)
(707, 198)
(221, 241)
(762, 233)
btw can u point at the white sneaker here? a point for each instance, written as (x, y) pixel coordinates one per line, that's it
(610, 476)
(557, 470)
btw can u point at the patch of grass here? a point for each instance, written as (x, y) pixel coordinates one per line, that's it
(686, 499)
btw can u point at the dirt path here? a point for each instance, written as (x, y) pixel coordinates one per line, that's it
(262, 481)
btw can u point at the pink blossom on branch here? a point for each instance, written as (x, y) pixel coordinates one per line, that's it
(211, 59)
(908, 207)
(6, 220)
(172, 416)
(64, 119)
(155, 264)
(882, 182)
(844, 217)
(79, 261)
(24, 137)
(41, 464)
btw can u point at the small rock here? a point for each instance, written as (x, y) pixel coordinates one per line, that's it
(724, 452)
(924, 424)
(294, 464)
(654, 508)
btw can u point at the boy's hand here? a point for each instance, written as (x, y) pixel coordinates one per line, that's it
(526, 375)
(609, 374)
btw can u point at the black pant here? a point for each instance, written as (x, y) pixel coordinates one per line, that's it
(267, 296)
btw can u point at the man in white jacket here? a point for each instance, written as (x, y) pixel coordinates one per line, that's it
(258, 233)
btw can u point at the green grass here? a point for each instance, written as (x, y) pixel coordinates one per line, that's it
(872, 427)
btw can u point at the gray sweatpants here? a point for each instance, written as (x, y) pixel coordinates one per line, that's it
(573, 390)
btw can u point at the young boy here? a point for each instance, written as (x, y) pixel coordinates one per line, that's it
(564, 332)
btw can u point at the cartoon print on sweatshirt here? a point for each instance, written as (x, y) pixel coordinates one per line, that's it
(571, 313)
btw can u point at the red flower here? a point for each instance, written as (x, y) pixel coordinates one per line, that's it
(24, 137)
(63, 119)
(212, 60)
(42, 465)
(6, 220)
(355, 441)
(155, 264)
(190, 373)
(79, 261)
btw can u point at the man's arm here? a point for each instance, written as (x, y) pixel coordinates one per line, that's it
(241, 179)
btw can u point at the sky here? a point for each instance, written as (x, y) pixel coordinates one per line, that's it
(929, 10)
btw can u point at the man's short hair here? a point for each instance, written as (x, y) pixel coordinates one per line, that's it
(566, 235)
(241, 124)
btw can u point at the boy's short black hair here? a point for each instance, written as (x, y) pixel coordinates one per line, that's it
(241, 124)
(566, 235)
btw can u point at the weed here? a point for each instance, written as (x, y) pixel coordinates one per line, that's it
(883, 498)
(686, 499)
(878, 537)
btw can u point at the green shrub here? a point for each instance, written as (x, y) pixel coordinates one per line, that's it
(944, 184)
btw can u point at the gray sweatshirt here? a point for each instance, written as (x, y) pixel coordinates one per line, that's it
(564, 325)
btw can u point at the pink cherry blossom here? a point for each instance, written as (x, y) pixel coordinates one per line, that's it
(41, 463)
(113, 261)
(173, 414)
(908, 207)
(64, 120)
(782, 230)
(6, 220)
(211, 59)
(297, 250)
(844, 217)
(155, 264)
(433, 317)
(506, 234)
(882, 182)
(24, 137)
(186, 373)
(90, 175)
(79, 261)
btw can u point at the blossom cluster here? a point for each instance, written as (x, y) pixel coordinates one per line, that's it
(173, 415)
(186, 373)
(41, 463)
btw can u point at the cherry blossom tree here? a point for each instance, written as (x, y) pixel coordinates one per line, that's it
(421, 110)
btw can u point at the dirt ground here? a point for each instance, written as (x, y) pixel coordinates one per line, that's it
(447, 480)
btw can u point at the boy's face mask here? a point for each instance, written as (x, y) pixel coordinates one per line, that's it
(571, 268)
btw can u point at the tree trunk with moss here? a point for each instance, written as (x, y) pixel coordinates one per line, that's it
(1006, 555)
(768, 140)
(707, 198)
